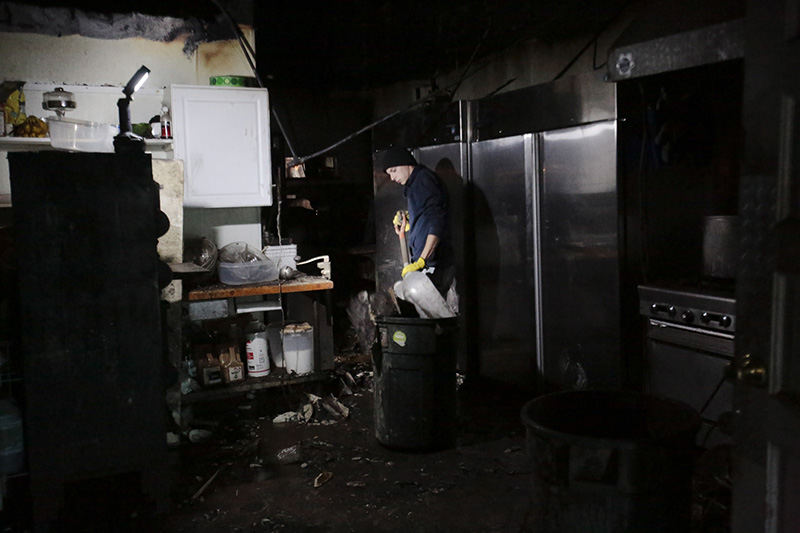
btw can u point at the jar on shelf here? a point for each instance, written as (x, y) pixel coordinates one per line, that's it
(256, 349)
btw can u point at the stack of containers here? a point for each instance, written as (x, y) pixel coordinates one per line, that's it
(298, 348)
(284, 255)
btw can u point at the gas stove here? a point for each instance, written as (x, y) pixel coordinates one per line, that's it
(690, 344)
(707, 308)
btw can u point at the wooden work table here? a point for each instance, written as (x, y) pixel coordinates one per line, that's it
(305, 299)
(219, 290)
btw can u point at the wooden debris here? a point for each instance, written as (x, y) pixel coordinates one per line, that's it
(322, 478)
(202, 489)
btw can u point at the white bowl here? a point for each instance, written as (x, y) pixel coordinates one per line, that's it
(81, 135)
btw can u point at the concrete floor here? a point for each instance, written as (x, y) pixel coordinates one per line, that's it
(480, 485)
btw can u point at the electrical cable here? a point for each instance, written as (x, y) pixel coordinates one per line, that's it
(501, 87)
(708, 402)
(708, 434)
(469, 63)
(577, 56)
(592, 40)
(249, 55)
(595, 66)
(300, 160)
(247, 49)
(716, 390)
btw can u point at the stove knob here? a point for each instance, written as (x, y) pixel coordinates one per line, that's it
(725, 321)
(687, 316)
(705, 318)
(663, 308)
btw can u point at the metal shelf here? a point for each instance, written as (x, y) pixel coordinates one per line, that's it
(10, 378)
(278, 378)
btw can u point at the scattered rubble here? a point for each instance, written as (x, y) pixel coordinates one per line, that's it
(335, 407)
(202, 489)
(290, 455)
(173, 439)
(285, 418)
(322, 478)
(308, 412)
(197, 436)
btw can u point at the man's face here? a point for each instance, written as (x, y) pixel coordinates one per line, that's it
(400, 174)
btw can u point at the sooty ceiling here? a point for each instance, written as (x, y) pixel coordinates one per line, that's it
(366, 44)
(359, 44)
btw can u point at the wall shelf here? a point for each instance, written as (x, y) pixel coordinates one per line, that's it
(30, 144)
(24, 144)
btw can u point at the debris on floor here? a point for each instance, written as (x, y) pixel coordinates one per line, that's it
(290, 455)
(322, 478)
(305, 459)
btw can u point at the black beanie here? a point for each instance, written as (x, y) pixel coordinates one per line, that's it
(395, 157)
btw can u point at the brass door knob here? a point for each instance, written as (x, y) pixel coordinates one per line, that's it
(751, 372)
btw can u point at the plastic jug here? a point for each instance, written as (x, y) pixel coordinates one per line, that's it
(256, 348)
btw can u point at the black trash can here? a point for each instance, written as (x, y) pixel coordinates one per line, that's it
(415, 382)
(609, 461)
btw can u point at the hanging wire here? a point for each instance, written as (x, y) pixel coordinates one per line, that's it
(501, 87)
(469, 63)
(594, 40)
(595, 66)
(249, 55)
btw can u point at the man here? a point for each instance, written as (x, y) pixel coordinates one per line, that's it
(427, 230)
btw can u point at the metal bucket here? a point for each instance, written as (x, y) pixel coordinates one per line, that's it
(720, 247)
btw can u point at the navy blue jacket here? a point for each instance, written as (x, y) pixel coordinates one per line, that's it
(427, 208)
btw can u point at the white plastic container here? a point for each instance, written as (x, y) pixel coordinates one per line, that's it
(298, 348)
(284, 255)
(243, 273)
(12, 451)
(256, 349)
(81, 135)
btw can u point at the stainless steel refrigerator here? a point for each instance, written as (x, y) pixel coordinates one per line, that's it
(540, 228)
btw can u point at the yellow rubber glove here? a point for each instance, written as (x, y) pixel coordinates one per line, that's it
(398, 220)
(419, 264)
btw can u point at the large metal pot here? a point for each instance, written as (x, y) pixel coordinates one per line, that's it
(720, 246)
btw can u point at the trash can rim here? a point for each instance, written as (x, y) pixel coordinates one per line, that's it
(414, 321)
(598, 442)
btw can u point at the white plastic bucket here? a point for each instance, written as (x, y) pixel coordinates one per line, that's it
(298, 348)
